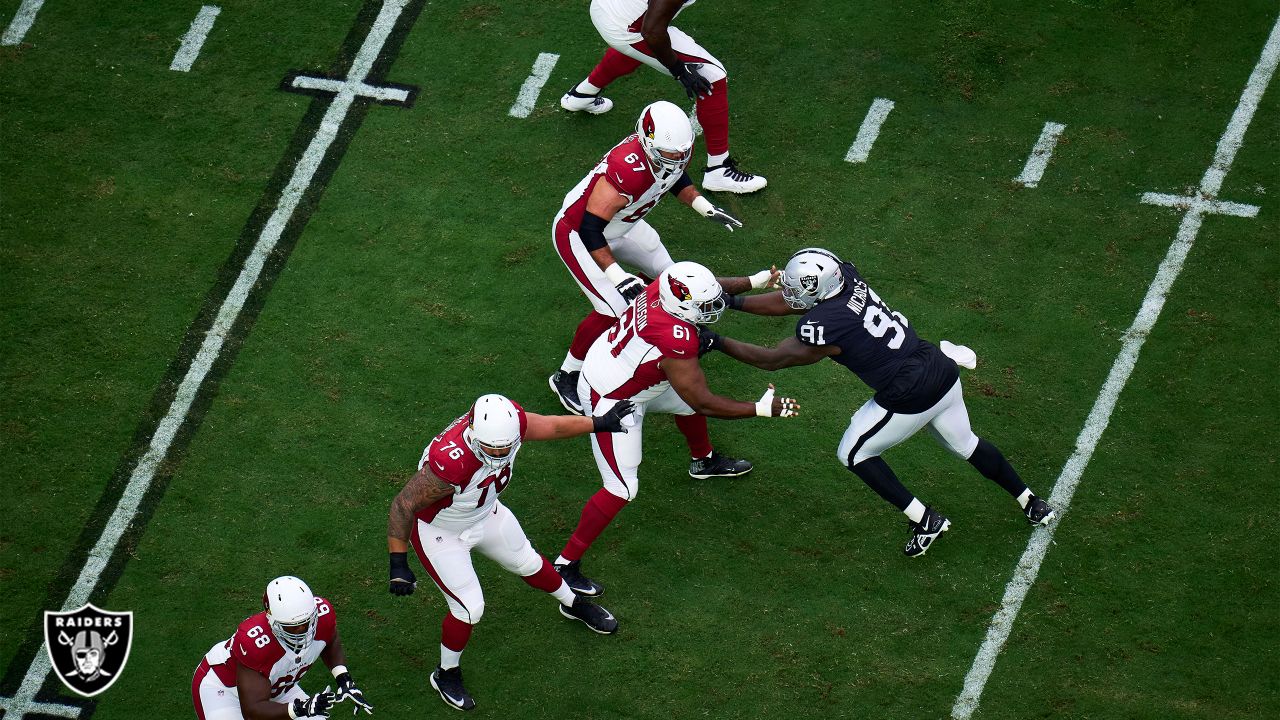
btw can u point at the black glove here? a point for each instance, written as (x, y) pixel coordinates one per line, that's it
(694, 84)
(630, 288)
(402, 579)
(720, 217)
(708, 340)
(347, 690)
(315, 706)
(611, 421)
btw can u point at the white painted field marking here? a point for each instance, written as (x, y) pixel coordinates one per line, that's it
(194, 39)
(21, 22)
(1038, 160)
(384, 94)
(22, 703)
(693, 121)
(528, 96)
(869, 131)
(1195, 208)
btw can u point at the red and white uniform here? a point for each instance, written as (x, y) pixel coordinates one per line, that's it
(446, 532)
(254, 645)
(619, 23)
(631, 240)
(623, 364)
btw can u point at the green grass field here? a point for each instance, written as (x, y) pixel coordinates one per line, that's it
(424, 276)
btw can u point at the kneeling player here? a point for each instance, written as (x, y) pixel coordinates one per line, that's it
(916, 383)
(254, 674)
(451, 506)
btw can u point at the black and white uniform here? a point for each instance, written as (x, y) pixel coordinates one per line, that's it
(915, 383)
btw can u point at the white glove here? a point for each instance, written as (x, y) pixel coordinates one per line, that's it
(764, 406)
(628, 285)
(764, 278)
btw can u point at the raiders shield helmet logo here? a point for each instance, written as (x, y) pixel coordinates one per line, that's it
(88, 647)
(809, 283)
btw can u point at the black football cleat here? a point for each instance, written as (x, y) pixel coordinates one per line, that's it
(925, 532)
(449, 684)
(1039, 512)
(580, 584)
(592, 615)
(717, 465)
(565, 386)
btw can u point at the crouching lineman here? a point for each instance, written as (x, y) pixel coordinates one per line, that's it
(650, 358)
(916, 383)
(451, 506)
(254, 674)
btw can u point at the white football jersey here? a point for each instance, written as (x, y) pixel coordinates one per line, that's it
(626, 168)
(624, 363)
(256, 647)
(476, 485)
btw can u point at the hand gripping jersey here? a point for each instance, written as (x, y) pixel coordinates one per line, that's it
(623, 364)
(627, 170)
(879, 346)
(628, 13)
(254, 646)
(476, 485)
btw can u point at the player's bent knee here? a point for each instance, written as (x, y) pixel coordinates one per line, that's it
(618, 490)
(861, 456)
(965, 448)
(469, 613)
(529, 563)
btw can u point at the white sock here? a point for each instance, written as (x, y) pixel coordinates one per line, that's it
(714, 160)
(1024, 498)
(586, 88)
(560, 560)
(449, 659)
(564, 594)
(571, 364)
(915, 511)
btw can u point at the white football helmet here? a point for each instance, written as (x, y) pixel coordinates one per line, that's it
(811, 276)
(494, 432)
(691, 292)
(291, 612)
(667, 139)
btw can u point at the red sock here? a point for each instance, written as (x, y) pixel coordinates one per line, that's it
(546, 579)
(455, 633)
(596, 516)
(591, 327)
(713, 116)
(611, 67)
(695, 432)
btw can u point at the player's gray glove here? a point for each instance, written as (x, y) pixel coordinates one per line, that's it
(347, 690)
(611, 422)
(317, 705)
(694, 84)
(402, 581)
(708, 340)
(721, 217)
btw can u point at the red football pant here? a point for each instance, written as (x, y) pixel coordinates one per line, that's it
(455, 633)
(713, 116)
(596, 516)
(591, 327)
(611, 67)
(696, 434)
(546, 579)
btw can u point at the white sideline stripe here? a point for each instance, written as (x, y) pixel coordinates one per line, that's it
(528, 96)
(1200, 204)
(143, 474)
(194, 39)
(869, 131)
(1038, 160)
(1029, 565)
(304, 82)
(21, 22)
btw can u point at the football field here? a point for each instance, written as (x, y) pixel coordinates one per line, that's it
(254, 259)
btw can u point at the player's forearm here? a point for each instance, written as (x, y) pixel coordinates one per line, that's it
(333, 655)
(567, 426)
(754, 355)
(265, 710)
(766, 304)
(659, 42)
(724, 408)
(603, 257)
(400, 523)
(735, 285)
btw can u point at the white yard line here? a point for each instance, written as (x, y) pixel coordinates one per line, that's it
(869, 131)
(1063, 490)
(528, 96)
(1038, 160)
(383, 94)
(140, 480)
(21, 22)
(194, 39)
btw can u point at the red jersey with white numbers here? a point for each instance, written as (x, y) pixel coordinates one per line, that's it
(623, 363)
(254, 646)
(476, 485)
(626, 168)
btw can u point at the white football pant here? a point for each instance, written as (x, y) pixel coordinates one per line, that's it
(873, 430)
(640, 248)
(219, 702)
(618, 455)
(623, 40)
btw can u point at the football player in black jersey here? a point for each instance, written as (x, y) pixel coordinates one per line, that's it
(916, 383)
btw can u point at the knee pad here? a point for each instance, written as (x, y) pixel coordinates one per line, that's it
(626, 492)
(469, 613)
(529, 561)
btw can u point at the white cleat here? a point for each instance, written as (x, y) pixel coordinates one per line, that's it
(574, 101)
(726, 177)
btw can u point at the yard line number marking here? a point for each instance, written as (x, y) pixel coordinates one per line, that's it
(1195, 208)
(23, 702)
(21, 22)
(194, 39)
(528, 96)
(869, 131)
(1038, 160)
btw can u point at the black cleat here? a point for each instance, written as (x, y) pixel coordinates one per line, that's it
(565, 386)
(580, 584)
(717, 465)
(1039, 512)
(449, 684)
(925, 532)
(594, 616)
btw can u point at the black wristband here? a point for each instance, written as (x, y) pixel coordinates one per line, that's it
(682, 183)
(592, 231)
(399, 560)
(735, 302)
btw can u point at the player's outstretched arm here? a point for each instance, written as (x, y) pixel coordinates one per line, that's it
(254, 691)
(735, 286)
(558, 427)
(764, 304)
(691, 384)
(336, 659)
(788, 353)
(689, 195)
